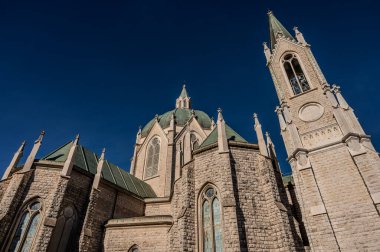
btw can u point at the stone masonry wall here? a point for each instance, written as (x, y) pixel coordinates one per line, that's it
(261, 213)
(182, 234)
(211, 167)
(3, 187)
(12, 200)
(148, 239)
(350, 209)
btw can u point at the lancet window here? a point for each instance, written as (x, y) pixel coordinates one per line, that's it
(26, 227)
(211, 221)
(194, 141)
(152, 158)
(295, 74)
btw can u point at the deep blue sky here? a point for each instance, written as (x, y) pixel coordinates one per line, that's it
(102, 68)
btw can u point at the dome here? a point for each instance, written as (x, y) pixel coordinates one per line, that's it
(182, 115)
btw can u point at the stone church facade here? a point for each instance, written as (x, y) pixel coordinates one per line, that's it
(197, 185)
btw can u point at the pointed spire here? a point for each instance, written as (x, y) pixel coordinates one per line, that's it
(29, 161)
(69, 163)
(183, 101)
(267, 52)
(222, 135)
(299, 36)
(99, 168)
(276, 29)
(270, 145)
(260, 136)
(16, 158)
(184, 92)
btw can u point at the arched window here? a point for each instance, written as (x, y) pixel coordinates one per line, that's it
(152, 158)
(27, 227)
(194, 141)
(296, 76)
(211, 221)
(63, 230)
(134, 248)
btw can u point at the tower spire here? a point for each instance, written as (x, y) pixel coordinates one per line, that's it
(183, 101)
(276, 29)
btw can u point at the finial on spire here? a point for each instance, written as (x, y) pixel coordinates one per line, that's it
(103, 153)
(42, 134)
(220, 116)
(267, 52)
(256, 119)
(299, 36)
(269, 12)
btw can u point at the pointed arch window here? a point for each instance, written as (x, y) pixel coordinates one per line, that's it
(152, 158)
(194, 141)
(211, 233)
(63, 231)
(27, 227)
(295, 74)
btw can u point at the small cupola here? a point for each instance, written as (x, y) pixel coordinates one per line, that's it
(183, 101)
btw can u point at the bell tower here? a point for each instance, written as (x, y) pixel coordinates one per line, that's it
(335, 167)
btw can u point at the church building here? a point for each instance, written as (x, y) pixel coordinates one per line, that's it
(195, 184)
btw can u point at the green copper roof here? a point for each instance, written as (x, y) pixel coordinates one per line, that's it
(184, 92)
(288, 179)
(88, 161)
(274, 27)
(231, 135)
(181, 116)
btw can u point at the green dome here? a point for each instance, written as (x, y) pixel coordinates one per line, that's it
(182, 115)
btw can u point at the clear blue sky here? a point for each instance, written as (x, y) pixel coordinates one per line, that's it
(102, 68)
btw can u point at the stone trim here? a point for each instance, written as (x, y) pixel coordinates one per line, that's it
(157, 200)
(141, 221)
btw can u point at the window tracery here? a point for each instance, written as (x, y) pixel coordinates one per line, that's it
(295, 74)
(194, 141)
(152, 158)
(27, 227)
(211, 221)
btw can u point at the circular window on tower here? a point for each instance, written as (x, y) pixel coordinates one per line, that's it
(311, 112)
